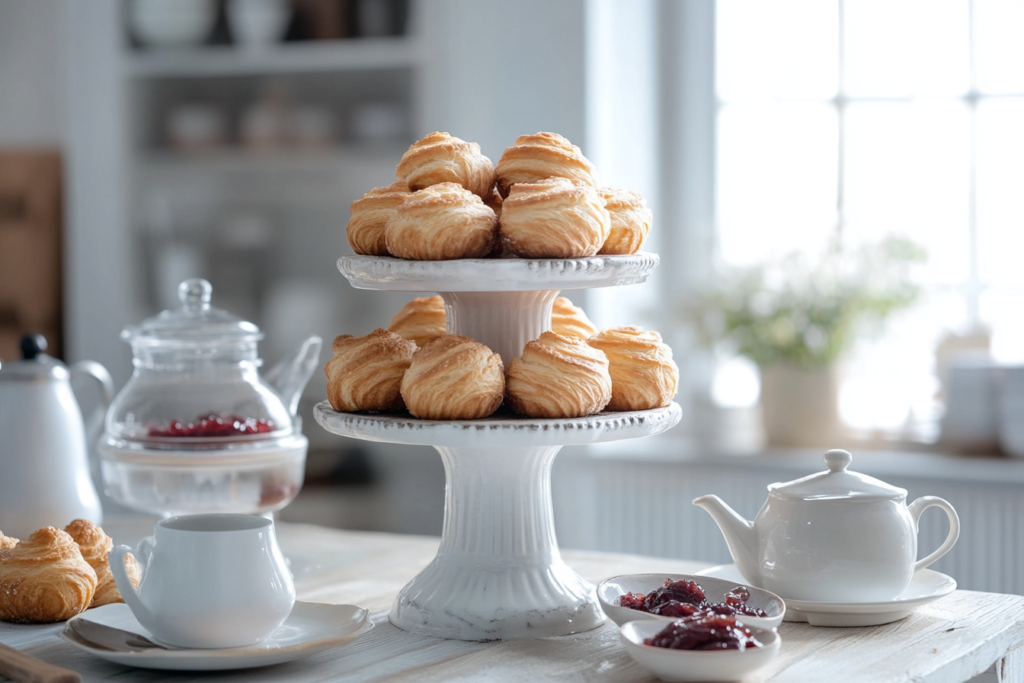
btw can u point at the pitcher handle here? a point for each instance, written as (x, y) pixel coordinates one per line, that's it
(95, 422)
(917, 508)
(125, 586)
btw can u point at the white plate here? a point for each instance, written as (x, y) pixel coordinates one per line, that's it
(689, 665)
(926, 586)
(311, 628)
(610, 590)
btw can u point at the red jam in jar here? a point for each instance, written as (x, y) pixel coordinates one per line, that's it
(213, 425)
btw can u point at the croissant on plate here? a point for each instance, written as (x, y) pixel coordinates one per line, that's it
(644, 376)
(95, 546)
(630, 221)
(441, 158)
(558, 377)
(540, 156)
(569, 320)
(422, 320)
(45, 579)
(365, 229)
(554, 218)
(454, 378)
(442, 222)
(366, 372)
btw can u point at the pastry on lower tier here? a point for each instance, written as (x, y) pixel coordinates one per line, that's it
(370, 214)
(95, 546)
(557, 377)
(494, 201)
(569, 320)
(630, 221)
(422, 320)
(644, 376)
(366, 372)
(7, 542)
(554, 218)
(44, 579)
(454, 378)
(543, 155)
(441, 158)
(442, 222)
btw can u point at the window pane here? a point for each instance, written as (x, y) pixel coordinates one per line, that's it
(999, 45)
(1000, 179)
(900, 48)
(907, 171)
(1002, 310)
(777, 179)
(777, 49)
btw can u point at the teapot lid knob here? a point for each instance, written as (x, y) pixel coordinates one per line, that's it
(838, 460)
(195, 294)
(32, 345)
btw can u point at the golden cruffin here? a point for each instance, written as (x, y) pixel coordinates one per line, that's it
(569, 320)
(365, 229)
(630, 221)
(441, 158)
(558, 377)
(539, 156)
(454, 378)
(7, 542)
(366, 372)
(554, 218)
(422, 320)
(45, 579)
(442, 222)
(644, 376)
(95, 546)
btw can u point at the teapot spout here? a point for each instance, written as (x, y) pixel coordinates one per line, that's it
(739, 536)
(290, 375)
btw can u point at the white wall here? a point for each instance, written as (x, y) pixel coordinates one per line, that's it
(31, 73)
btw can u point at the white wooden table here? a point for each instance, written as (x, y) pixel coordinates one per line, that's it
(953, 639)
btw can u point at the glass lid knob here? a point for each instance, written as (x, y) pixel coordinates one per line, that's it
(195, 294)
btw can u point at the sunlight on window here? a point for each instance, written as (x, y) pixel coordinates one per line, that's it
(999, 49)
(1001, 192)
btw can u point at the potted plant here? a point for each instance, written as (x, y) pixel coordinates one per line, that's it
(795, 317)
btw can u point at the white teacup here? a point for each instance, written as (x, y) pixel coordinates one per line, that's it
(210, 581)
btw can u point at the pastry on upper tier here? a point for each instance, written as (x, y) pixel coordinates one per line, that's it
(366, 372)
(644, 376)
(365, 228)
(442, 222)
(95, 546)
(422, 320)
(6, 542)
(631, 221)
(544, 155)
(441, 158)
(554, 218)
(44, 579)
(454, 378)
(558, 377)
(570, 321)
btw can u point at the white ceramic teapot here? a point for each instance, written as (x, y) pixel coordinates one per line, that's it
(834, 536)
(44, 465)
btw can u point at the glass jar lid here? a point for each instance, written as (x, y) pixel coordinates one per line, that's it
(837, 483)
(196, 323)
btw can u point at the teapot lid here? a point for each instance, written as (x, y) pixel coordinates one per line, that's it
(35, 365)
(195, 323)
(837, 483)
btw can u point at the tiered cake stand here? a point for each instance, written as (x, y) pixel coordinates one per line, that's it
(498, 574)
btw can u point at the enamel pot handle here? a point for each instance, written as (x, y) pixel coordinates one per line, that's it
(917, 508)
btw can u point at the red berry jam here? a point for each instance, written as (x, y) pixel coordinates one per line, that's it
(686, 598)
(705, 633)
(214, 425)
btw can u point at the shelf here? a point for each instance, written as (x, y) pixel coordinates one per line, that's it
(236, 161)
(358, 54)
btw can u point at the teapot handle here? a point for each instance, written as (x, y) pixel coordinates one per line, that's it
(93, 369)
(917, 508)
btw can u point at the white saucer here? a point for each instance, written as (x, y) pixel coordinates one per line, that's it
(311, 628)
(926, 586)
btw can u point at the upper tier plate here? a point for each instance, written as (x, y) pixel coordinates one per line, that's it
(496, 275)
(498, 431)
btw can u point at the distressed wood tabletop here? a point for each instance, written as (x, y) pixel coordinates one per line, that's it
(953, 639)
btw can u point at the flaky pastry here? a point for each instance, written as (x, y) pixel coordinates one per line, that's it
(422, 320)
(569, 320)
(644, 376)
(44, 579)
(365, 228)
(631, 221)
(558, 376)
(7, 542)
(441, 158)
(95, 546)
(494, 201)
(454, 378)
(366, 372)
(543, 155)
(554, 218)
(442, 222)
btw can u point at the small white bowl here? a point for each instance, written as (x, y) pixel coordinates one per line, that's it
(696, 665)
(610, 590)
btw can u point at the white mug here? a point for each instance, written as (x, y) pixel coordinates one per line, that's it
(210, 581)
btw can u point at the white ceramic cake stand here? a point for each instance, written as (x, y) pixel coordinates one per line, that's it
(498, 573)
